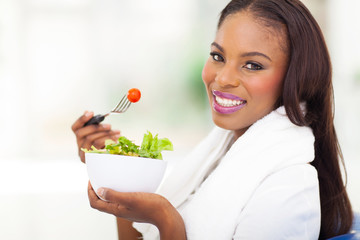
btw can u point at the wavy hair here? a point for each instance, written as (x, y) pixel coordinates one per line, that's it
(308, 79)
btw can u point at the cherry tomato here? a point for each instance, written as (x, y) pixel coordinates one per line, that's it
(134, 95)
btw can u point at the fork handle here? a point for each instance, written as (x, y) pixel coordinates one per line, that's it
(95, 120)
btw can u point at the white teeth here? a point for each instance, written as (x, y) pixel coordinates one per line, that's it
(228, 102)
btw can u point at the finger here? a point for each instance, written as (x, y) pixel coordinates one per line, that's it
(98, 143)
(91, 191)
(82, 155)
(91, 129)
(82, 120)
(113, 135)
(95, 202)
(115, 197)
(89, 139)
(98, 140)
(103, 206)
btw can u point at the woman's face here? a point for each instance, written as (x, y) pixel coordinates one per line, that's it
(244, 74)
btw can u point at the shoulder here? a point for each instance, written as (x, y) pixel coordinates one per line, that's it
(286, 205)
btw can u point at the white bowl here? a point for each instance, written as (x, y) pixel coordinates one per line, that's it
(124, 173)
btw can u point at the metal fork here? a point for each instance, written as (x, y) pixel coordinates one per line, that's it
(121, 107)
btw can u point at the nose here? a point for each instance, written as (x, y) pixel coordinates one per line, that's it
(227, 76)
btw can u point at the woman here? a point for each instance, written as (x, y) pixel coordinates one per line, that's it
(271, 167)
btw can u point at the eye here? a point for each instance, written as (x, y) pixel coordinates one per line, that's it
(217, 57)
(253, 66)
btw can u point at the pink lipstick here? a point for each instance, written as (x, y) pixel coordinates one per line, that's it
(226, 103)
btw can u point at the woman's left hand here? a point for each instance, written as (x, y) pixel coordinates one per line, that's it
(141, 207)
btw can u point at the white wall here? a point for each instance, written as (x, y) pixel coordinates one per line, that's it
(343, 38)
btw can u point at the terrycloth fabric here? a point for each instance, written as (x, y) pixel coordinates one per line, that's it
(210, 208)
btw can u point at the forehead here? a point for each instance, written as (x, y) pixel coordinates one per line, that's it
(244, 32)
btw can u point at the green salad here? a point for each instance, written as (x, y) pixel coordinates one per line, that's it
(151, 147)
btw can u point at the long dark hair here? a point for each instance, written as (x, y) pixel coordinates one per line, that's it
(308, 79)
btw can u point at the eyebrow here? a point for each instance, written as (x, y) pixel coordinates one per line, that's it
(217, 46)
(248, 54)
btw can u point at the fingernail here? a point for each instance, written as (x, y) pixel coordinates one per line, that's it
(106, 126)
(87, 114)
(100, 192)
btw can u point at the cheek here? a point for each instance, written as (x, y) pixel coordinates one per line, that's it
(269, 87)
(208, 73)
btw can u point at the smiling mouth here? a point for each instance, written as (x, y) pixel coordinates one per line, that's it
(227, 99)
(226, 103)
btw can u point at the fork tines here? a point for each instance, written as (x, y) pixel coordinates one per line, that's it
(122, 106)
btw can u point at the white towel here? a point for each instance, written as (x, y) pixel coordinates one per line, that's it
(269, 145)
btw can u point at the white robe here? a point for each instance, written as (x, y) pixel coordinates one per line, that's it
(273, 152)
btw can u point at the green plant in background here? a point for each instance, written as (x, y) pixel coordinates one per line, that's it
(357, 77)
(194, 84)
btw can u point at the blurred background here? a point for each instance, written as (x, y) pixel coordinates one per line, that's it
(59, 58)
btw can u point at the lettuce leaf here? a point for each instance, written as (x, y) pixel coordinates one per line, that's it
(93, 150)
(151, 147)
(123, 147)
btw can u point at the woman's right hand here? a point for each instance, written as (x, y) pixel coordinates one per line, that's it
(92, 134)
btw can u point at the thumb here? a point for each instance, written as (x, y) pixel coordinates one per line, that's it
(112, 196)
(102, 193)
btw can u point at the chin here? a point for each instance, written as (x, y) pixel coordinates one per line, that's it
(230, 124)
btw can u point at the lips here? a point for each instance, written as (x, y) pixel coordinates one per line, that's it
(227, 103)
(226, 95)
